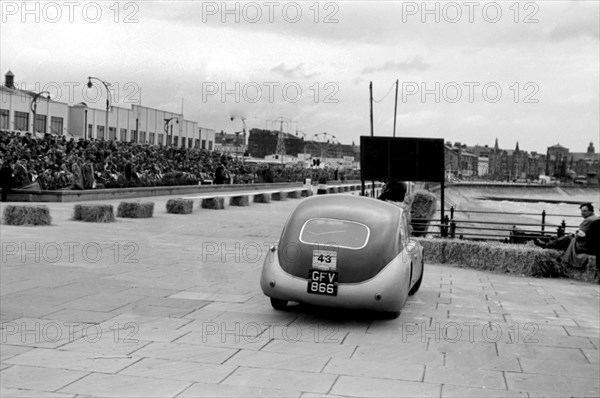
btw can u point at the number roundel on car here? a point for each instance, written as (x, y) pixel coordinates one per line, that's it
(328, 232)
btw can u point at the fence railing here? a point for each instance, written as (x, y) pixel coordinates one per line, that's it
(513, 232)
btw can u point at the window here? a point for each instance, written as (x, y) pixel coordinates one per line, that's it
(112, 133)
(169, 139)
(39, 124)
(175, 139)
(4, 119)
(151, 138)
(100, 132)
(90, 131)
(203, 144)
(142, 137)
(197, 143)
(56, 125)
(21, 121)
(133, 136)
(330, 232)
(161, 138)
(123, 135)
(190, 142)
(210, 145)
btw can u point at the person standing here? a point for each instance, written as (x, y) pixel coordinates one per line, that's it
(77, 173)
(88, 175)
(6, 179)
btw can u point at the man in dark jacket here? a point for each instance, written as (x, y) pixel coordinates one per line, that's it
(6, 179)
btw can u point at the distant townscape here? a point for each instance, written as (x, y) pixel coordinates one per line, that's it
(139, 146)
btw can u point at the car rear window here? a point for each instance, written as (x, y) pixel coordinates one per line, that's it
(331, 232)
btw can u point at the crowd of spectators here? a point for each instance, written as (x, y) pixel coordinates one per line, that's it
(52, 163)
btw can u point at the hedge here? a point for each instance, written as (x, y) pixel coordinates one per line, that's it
(180, 206)
(93, 213)
(135, 210)
(526, 260)
(27, 215)
(216, 203)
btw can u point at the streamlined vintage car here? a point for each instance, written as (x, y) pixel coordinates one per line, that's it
(344, 251)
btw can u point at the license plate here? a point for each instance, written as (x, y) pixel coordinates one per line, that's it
(322, 282)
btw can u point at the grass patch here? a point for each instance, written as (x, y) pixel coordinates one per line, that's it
(135, 210)
(262, 198)
(216, 203)
(93, 213)
(242, 200)
(27, 215)
(180, 206)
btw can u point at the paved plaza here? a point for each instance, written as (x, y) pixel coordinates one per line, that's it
(171, 307)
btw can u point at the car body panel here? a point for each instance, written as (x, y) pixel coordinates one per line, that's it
(377, 275)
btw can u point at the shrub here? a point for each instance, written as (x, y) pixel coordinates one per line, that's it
(135, 210)
(526, 260)
(93, 213)
(216, 203)
(27, 215)
(294, 194)
(242, 200)
(262, 198)
(180, 206)
(278, 196)
(423, 206)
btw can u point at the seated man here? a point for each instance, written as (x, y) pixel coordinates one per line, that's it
(578, 243)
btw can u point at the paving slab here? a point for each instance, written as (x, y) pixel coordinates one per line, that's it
(171, 306)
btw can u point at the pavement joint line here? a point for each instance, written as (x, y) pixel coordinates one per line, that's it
(72, 382)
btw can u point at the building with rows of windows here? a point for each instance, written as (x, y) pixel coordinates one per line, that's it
(30, 112)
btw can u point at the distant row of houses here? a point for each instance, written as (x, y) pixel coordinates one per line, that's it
(515, 164)
(30, 112)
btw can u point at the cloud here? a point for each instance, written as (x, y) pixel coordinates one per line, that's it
(582, 27)
(415, 63)
(296, 72)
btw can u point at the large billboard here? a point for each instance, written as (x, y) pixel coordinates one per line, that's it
(404, 159)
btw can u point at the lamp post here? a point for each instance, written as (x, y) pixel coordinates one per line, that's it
(33, 106)
(243, 119)
(108, 98)
(167, 121)
(304, 136)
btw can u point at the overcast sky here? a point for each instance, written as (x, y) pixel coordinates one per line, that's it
(468, 71)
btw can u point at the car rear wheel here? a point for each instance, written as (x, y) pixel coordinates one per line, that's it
(417, 285)
(279, 304)
(392, 314)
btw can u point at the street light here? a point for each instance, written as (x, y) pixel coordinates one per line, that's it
(33, 105)
(167, 121)
(243, 119)
(108, 98)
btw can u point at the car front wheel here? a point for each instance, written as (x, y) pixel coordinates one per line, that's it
(279, 304)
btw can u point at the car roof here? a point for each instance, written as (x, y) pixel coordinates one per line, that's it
(369, 211)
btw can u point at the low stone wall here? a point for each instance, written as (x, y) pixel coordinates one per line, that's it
(24, 195)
